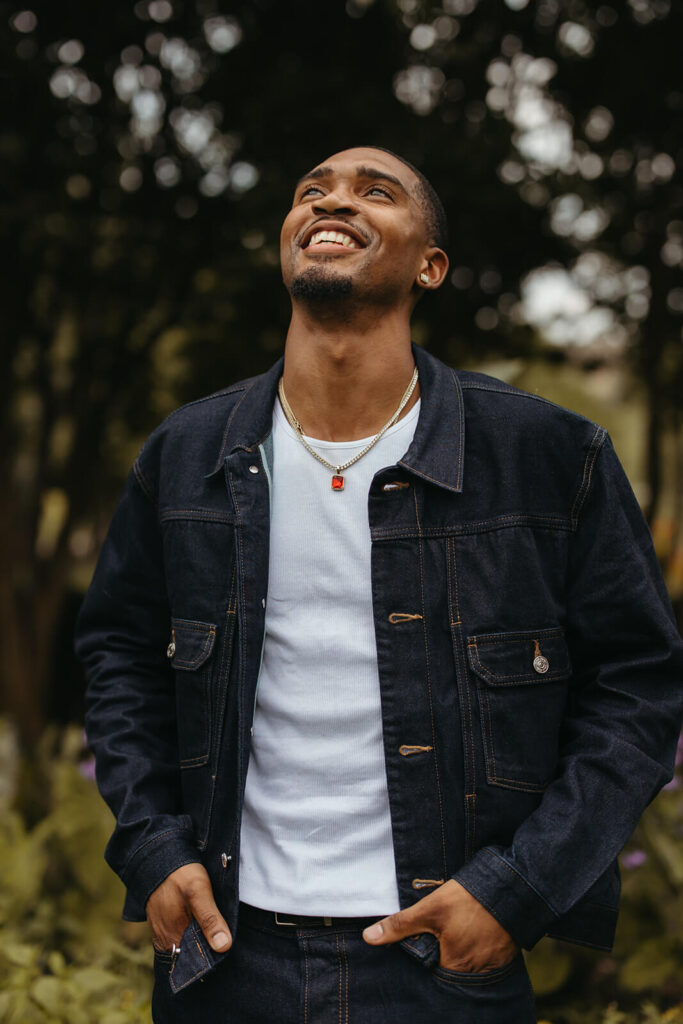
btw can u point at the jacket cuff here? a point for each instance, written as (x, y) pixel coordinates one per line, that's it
(506, 895)
(154, 861)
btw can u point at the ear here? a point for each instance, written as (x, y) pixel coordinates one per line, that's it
(433, 269)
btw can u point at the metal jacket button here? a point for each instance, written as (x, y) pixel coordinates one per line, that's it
(540, 662)
(225, 859)
(253, 469)
(170, 650)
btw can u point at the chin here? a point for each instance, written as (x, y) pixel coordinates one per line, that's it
(318, 284)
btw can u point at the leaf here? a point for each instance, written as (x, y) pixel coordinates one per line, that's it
(19, 954)
(549, 967)
(47, 992)
(614, 1015)
(115, 1017)
(22, 1010)
(95, 981)
(650, 965)
(56, 962)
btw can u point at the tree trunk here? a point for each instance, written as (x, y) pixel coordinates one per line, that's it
(31, 597)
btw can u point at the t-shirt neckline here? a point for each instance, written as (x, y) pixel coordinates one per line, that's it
(360, 442)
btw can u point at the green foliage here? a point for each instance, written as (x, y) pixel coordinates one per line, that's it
(65, 955)
(646, 1014)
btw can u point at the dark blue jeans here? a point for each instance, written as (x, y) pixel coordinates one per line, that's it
(278, 975)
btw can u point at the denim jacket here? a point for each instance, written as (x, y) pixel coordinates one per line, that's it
(528, 659)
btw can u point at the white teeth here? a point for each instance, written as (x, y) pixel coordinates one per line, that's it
(333, 236)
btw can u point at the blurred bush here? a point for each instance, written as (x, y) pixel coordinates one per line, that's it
(65, 955)
(67, 958)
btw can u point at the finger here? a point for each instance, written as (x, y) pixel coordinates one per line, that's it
(163, 938)
(168, 921)
(396, 926)
(208, 917)
(162, 947)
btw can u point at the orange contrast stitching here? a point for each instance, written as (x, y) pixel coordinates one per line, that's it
(467, 712)
(304, 945)
(346, 984)
(339, 962)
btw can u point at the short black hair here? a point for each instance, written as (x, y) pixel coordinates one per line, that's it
(428, 198)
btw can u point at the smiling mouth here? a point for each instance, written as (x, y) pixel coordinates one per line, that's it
(333, 238)
(326, 240)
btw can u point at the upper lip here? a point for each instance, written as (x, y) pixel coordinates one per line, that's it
(333, 225)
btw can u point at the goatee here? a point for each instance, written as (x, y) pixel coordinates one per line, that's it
(315, 285)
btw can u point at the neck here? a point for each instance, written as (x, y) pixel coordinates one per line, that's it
(344, 381)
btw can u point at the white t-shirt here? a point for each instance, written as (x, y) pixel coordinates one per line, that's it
(316, 829)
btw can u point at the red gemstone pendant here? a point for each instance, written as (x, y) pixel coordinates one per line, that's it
(337, 483)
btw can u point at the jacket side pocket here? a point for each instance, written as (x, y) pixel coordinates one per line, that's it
(190, 651)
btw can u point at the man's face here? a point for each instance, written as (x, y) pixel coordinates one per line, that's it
(356, 231)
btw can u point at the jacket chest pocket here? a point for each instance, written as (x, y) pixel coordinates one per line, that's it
(191, 655)
(522, 688)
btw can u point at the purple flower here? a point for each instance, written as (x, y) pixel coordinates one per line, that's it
(87, 768)
(633, 859)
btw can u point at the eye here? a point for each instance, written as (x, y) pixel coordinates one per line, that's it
(311, 189)
(381, 190)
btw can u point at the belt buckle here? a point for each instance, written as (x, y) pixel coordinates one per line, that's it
(327, 921)
(291, 924)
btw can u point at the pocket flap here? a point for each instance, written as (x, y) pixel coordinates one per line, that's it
(196, 958)
(191, 643)
(515, 659)
(423, 947)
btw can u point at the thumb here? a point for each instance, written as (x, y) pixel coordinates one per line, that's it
(397, 926)
(209, 918)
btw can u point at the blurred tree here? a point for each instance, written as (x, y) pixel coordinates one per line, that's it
(147, 156)
(593, 94)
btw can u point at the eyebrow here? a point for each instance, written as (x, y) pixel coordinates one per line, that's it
(361, 172)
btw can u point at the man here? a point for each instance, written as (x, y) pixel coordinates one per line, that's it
(378, 649)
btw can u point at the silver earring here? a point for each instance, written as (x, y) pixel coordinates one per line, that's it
(424, 278)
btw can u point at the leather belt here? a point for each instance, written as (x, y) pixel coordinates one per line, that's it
(270, 918)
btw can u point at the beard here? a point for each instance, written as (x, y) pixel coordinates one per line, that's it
(317, 285)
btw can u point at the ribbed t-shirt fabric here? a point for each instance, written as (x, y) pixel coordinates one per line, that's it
(316, 829)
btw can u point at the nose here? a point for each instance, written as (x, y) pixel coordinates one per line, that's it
(337, 200)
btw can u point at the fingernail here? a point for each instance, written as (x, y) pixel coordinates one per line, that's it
(220, 939)
(375, 931)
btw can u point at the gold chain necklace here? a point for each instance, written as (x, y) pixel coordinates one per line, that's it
(338, 478)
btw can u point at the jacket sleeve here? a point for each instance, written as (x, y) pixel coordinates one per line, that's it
(122, 634)
(621, 726)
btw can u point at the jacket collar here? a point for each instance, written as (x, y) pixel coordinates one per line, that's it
(437, 450)
(251, 419)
